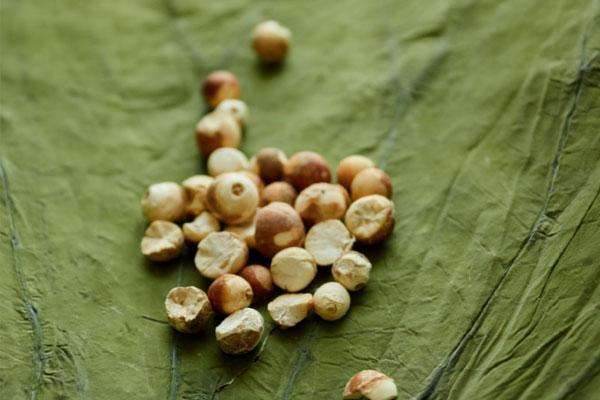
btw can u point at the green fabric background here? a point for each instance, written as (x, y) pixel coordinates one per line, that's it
(485, 113)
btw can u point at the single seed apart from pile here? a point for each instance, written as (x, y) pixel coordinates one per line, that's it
(236, 108)
(240, 332)
(350, 166)
(219, 86)
(293, 269)
(269, 163)
(163, 241)
(332, 301)
(279, 191)
(328, 240)
(278, 226)
(322, 201)
(352, 270)
(220, 253)
(372, 385)
(371, 181)
(165, 201)
(216, 130)
(305, 168)
(232, 198)
(188, 309)
(260, 280)
(370, 219)
(200, 227)
(229, 293)
(288, 310)
(226, 159)
(195, 189)
(271, 41)
(244, 232)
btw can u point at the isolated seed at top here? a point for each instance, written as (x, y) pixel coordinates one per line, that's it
(372, 385)
(232, 198)
(305, 168)
(370, 219)
(332, 301)
(216, 130)
(260, 280)
(188, 309)
(279, 191)
(371, 181)
(229, 293)
(278, 226)
(240, 332)
(269, 163)
(219, 86)
(163, 241)
(328, 240)
(322, 201)
(288, 310)
(293, 269)
(200, 227)
(271, 41)
(236, 108)
(352, 270)
(226, 159)
(350, 166)
(165, 201)
(195, 188)
(220, 253)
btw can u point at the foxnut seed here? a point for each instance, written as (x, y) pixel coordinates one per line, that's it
(288, 310)
(278, 226)
(188, 309)
(271, 41)
(219, 86)
(232, 198)
(165, 201)
(332, 301)
(371, 181)
(200, 227)
(240, 332)
(350, 166)
(255, 179)
(352, 270)
(229, 293)
(305, 168)
(260, 280)
(244, 232)
(328, 240)
(293, 269)
(195, 188)
(216, 130)
(220, 253)
(372, 385)
(269, 163)
(279, 191)
(236, 108)
(370, 219)
(322, 201)
(163, 241)
(226, 159)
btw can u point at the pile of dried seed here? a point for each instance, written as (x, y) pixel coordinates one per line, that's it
(284, 208)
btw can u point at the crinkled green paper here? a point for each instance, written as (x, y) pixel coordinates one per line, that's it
(485, 113)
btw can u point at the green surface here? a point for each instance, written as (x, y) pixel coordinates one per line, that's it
(486, 114)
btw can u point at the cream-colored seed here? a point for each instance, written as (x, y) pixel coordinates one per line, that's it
(278, 226)
(370, 219)
(328, 240)
(219, 86)
(163, 241)
(236, 108)
(244, 232)
(229, 293)
(196, 187)
(271, 41)
(371, 181)
(188, 309)
(332, 301)
(200, 227)
(293, 269)
(322, 201)
(220, 253)
(352, 270)
(279, 191)
(233, 198)
(226, 159)
(350, 166)
(269, 164)
(165, 201)
(288, 310)
(240, 332)
(216, 130)
(372, 385)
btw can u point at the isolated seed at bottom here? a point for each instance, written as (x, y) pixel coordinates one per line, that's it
(372, 385)
(188, 309)
(240, 332)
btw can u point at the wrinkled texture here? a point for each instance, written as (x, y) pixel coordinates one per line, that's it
(484, 113)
